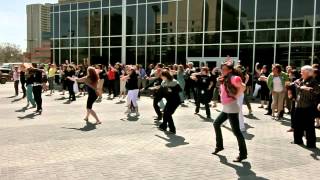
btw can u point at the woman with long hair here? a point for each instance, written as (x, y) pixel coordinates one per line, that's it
(91, 82)
(133, 90)
(169, 90)
(231, 89)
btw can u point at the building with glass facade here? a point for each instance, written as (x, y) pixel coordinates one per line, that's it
(170, 31)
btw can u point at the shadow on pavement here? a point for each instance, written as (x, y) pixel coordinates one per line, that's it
(88, 127)
(16, 100)
(245, 134)
(120, 102)
(11, 97)
(28, 116)
(205, 119)
(315, 152)
(130, 118)
(60, 99)
(244, 172)
(173, 140)
(22, 109)
(251, 116)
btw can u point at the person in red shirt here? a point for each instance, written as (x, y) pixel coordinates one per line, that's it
(111, 75)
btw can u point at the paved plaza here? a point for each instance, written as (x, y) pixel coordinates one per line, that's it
(56, 145)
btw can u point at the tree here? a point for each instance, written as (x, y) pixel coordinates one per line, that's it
(10, 53)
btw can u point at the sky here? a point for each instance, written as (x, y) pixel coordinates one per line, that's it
(13, 23)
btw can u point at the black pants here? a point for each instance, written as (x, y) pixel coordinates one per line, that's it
(116, 87)
(156, 108)
(111, 87)
(292, 114)
(37, 92)
(190, 88)
(304, 122)
(246, 100)
(72, 95)
(207, 108)
(168, 111)
(269, 104)
(23, 87)
(16, 87)
(234, 121)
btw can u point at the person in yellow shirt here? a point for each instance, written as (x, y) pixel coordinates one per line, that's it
(51, 74)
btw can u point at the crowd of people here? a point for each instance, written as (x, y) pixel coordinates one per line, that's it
(232, 85)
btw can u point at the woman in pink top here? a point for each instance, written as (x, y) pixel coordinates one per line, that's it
(231, 88)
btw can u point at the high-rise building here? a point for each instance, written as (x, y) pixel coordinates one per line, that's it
(38, 28)
(172, 31)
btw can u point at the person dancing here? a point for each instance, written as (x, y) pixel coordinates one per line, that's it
(170, 89)
(231, 89)
(133, 91)
(91, 82)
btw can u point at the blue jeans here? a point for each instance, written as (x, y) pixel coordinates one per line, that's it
(30, 95)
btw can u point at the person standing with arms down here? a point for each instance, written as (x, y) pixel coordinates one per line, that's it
(91, 82)
(203, 85)
(29, 83)
(23, 79)
(37, 87)
(231, 89)
(16, 79)
(170, 89)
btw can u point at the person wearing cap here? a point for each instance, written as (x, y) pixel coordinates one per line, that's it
(203, 85)
(16, 79)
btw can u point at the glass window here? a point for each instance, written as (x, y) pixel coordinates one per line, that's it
(105, 55)
(64, 43)
(116, 21)
(301, 35)
(265, 36)
(83, 21)
(283, 36)
(282, 51)
(57, 43)
(168, 55)
(212, 16)
(247, 14)
(74, 55)
(182, 39)
(266, 12)
(246, 37)
(142, 19)
(140, 56)
(94, 42)
(115, 41)
(56, 25)
(95, 53)
(284, 13)
(105, 3)
(153, 39)
(229, 37)
(169, 17)
(317, 34)
(83, 42)
(74, 6)
(95, 4)
(84, 5)
(302, 13)
(95, 22)
(105, 21)
(316, 53)
(245, 55)
(64, 24)
(56, 56)
(131, 20)
(83, 55)
(56, 8)
(65, 7)
(212, 38)
(264, 54)
(181, 55)
(317, 13)
(65, 54)
(131, 55)
(153, 18)
(169, 39)
(300, 54)
(131, 40)
(182, 16)
(115, 55)
(153, 55)
(131, 1)
(196, 15)
(115, 2)
(195, 38)
(229, 50)
(74, 31)
(211, 51)
(141, 40)
(230, 14)
(195, 51)
(73, 42)
(105, 41)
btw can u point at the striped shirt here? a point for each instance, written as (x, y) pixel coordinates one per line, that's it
(305, 98)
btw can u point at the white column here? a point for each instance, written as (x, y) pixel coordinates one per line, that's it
(313, 30)
(290, 34)
(124, 27)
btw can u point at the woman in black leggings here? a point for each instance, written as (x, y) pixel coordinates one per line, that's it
(91, 81)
